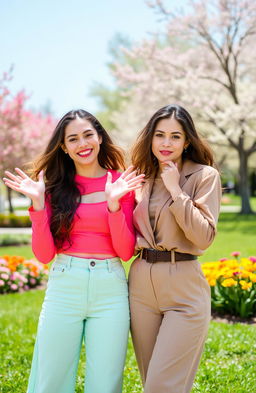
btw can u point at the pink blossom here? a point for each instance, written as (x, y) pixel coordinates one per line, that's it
(23, 279)
(4, 276)
(252, 259)
(14, 276)
(4, 269)
(223, 259)
(235, 253)
(2, 283)
(14, 287)
(32, 281)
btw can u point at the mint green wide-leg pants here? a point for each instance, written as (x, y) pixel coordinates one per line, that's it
(86, 299)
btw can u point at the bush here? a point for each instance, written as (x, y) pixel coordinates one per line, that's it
(14, 239)
(11, 220)
(233, 285)
(18, 274)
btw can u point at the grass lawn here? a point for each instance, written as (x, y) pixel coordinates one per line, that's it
(24, 251)
(231, 199)
(227, 366)
(236, 232)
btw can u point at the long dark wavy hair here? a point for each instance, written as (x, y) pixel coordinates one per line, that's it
(143, 158)
(59, 170)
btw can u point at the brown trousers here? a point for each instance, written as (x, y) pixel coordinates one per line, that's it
(170, 314)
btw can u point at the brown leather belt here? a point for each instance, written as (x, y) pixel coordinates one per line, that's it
(151, 255)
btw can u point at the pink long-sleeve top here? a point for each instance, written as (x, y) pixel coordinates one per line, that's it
(95, 229)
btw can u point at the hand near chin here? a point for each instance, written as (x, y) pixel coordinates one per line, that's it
(171, 177)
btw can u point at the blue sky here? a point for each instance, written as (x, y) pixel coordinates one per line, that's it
(60, 47)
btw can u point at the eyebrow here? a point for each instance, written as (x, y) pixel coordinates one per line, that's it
(87, 130)
(173, 132)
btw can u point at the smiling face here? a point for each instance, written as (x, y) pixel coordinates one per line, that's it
(169, 141)
(82, 143)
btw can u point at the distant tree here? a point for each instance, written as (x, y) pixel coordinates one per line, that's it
(113, 98)
(206, 62)
(23, 134)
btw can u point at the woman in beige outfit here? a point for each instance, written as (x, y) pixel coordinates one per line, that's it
(175, 219)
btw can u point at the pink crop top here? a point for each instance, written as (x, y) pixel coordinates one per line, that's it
(95, 229)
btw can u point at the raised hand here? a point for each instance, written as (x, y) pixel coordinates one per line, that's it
(25, 185)
(127, 182)
(171, 177)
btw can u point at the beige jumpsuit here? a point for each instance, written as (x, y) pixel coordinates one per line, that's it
(170, 301)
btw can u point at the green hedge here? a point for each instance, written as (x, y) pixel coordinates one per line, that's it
(14, 239)
(11, 220)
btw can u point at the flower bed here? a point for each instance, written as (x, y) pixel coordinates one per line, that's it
(233, 285)
(17, 273)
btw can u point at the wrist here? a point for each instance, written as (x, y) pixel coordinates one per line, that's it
(175, 192)
(38, 204)
(113, 206)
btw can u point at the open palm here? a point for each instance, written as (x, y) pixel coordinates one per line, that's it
(127, 182)
(25, 185)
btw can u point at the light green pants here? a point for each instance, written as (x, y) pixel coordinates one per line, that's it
(85, 299)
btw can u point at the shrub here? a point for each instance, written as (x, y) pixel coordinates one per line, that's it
(14, 239)
(11, 220)
(18, 274)
(233, 285)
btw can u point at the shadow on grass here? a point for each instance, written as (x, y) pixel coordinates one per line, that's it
(237, 222)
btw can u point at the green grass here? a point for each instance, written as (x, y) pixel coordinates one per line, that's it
(227, 365)
(24, 251)
(236, 232)
(236, 200)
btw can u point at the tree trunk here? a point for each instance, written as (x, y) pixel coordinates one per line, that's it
(244, 186)
(9, 197)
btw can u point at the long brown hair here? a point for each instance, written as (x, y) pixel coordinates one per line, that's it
(143, 158)
(59, 170)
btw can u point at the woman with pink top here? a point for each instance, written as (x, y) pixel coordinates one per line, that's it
(82, 212)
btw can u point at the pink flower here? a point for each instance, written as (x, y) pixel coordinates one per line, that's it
(236, 273)
(223, 259)
(4, 276)
(252, 259)
(235, 253)
(32, 281)
(2, 283)
(4, 269)
(14, 287)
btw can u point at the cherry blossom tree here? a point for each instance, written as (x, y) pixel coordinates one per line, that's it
(23, 134)
(205, 61)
